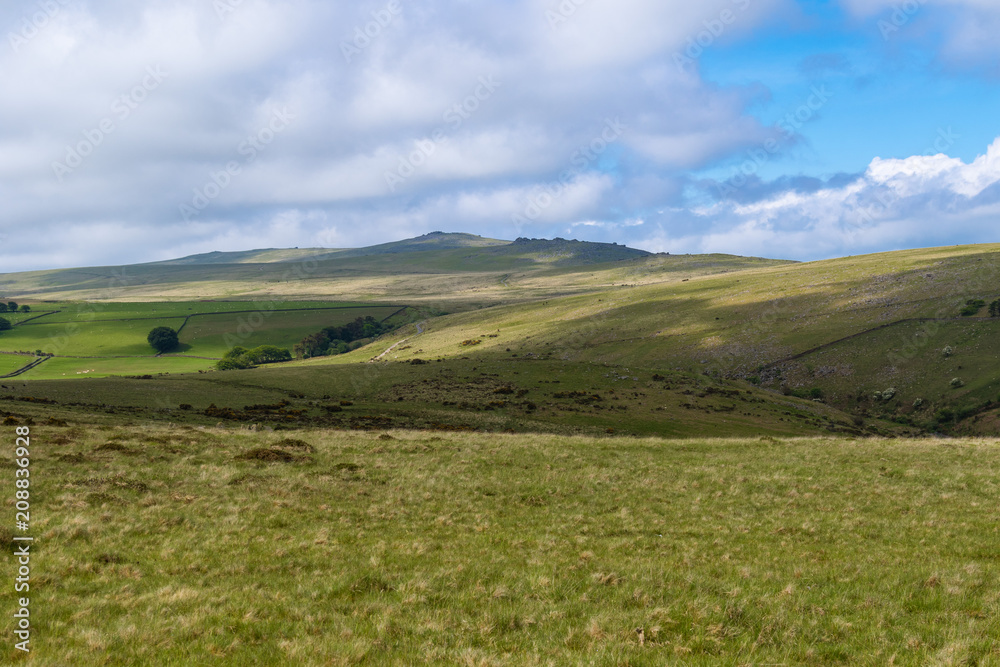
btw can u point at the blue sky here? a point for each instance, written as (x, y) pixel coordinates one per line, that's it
(143, 131)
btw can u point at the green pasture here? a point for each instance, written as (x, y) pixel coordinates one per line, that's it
(11, 362)
(17, 318)
(213, 335)
(67, 368)
(98, 339)
(84, 312)
(89, 339)
(190, 546)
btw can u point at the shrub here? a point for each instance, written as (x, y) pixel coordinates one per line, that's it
(972, 307)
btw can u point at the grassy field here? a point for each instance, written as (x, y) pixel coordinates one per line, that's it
(65, 368)
(493, 396)
(852, 318)
(11, 362)
(95, 339)
(207, 335)
(102, 339)
(205, 546)
(854, 324)
(526, 481)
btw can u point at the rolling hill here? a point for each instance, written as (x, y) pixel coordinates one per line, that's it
(863, 336)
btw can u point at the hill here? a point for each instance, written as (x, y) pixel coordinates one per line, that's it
(840, 330)
(431, 241)
(884, 340)
(454, 271)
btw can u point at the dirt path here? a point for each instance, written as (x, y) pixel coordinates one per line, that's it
(420, 330)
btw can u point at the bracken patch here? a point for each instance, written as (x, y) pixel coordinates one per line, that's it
(266, 455)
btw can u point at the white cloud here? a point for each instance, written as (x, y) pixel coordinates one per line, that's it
(558, 86)
(912, 202)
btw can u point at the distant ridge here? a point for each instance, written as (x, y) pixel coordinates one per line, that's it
(557, 251)
(569, 251)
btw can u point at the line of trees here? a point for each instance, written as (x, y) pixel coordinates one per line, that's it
(995, 308)
(338, 340)
(241, 357)
(12, 307)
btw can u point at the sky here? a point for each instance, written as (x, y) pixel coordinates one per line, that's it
(797, 129)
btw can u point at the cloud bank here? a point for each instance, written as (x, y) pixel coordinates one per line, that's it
(144, 131)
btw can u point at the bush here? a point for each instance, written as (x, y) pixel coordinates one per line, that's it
(163, 339)
(944, 415)
(972, 307)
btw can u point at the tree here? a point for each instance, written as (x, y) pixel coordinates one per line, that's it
(12, 306)
(3, 307)
(163, 339)
(5, 324)
(25, 308)
(240, 357)
(340, 339)
(269, 354)
(995, 308)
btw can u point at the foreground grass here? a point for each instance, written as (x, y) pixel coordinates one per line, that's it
(160, 546)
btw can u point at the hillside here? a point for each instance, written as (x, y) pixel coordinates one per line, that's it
(454, 271)
(839, 329)
(879, 339)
